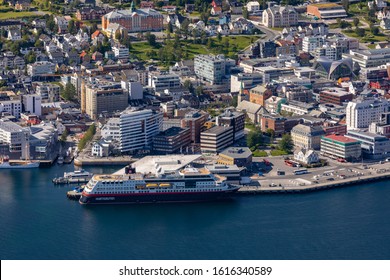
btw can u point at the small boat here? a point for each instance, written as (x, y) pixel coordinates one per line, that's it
(23, 164)
(60, 160)
(77, 176)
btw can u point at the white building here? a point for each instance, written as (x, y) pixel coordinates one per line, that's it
(111, 130)
(101, 148)
(161, 82)
(48, 92)
(307, 156)
(14, 136)
(280, 16)
(310, 43)
(135, 90)
(120, 51)
(13, 107)
(32, 104)
(41, 68)
(374, 146)
(137, 128)
(253, 6)
(362, 112)
(212, 68)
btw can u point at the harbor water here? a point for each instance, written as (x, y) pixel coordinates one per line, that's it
(39, 222)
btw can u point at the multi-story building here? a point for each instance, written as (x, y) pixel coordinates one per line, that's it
(138, 128)
(307, 136)
(311, 43)
(335, 96)
(10, 103)
(104, 98)
(13, 135)
(280, 16)
(111, 130)
(32, 104)
(374, 146)
(240, 156)
(41, 68)
(369, 58)
(298, 93)
(362, 112)
(260, 94)
(48, 92)
(90, 13)
(243, 81)
(273, 122)
(326, 10)
(253, 6)
(212, 68)
(120, 51)
(337, 146)
(216, 139)
(297, 108)
(135, 20)
(161, 82)
(232, 119)
(194, 121)
(173, 140)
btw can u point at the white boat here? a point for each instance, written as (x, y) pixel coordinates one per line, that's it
(78, 174)
(60, 160)
(5, 164)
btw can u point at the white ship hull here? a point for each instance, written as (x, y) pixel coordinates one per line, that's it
(7, 165)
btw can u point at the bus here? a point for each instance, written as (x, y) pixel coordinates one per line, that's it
(300, 171)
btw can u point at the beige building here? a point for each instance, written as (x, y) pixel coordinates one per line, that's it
(306, 136)
(104, 100)
(280, 16)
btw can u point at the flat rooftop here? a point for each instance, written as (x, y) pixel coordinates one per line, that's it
(340, 138)
(237, 152)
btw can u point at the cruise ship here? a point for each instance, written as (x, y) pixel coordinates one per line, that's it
(187, 185)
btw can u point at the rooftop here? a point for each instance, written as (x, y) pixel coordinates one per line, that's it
(237, 152)
(340, 138)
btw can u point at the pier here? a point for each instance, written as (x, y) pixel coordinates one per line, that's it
(88, 161)
(73, 195)
(259, 189)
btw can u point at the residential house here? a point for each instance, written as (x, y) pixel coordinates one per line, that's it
(215, 11)
(306, 156)
(14, 34)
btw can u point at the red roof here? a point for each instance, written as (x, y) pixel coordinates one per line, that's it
(95, 34)
(340, 138)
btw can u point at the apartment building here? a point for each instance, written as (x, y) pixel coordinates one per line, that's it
(280, 16)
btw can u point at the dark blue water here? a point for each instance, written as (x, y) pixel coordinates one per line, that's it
(38, 222)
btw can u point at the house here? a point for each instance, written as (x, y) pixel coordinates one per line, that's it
(224, 18)
(253, 111)
(97, 56)
(223, 29)
(14, 34)
(306, 156)
(20, 5)
(189, 8)
(147, 5)
(216, 3)
(215, 11)
(169, 9)
(253, 7)
(236, 7)
(385, 23)
(101, 148)
(39, 23)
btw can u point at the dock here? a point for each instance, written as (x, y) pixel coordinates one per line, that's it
(313, 187)
(87, 161)
(73, 195)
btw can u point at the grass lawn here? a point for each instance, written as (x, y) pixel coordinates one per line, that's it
(9, 15)
(278, 153)
(239, 42)
(369, 37)
(259, 153)
(250, 126)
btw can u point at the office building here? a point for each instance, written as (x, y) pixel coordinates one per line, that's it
(48, 92)
(41, 68)
(374, 146)
(307, 136)
(161, 82)
(240, 156)
(13, 135)
(173, 140)
(104, 98)
(362, 112)
(194, 121)
(335, 96)
(326, 10)
(138, 128)
(32, 104)
(337, 146)
(216, 139)
(232, 119)
(212, 68)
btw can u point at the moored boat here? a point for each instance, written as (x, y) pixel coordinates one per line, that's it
(187, 185)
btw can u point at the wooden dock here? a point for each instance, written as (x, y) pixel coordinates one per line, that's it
(73, 195)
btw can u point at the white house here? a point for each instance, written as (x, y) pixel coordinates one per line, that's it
(101, 148)
(306, 156)
(253, 6)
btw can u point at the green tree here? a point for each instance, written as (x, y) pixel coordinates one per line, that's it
(374, 30)
(151, 38)
(345, 4)
(254, 139)
(286, 144)
(189, 86)
(360, 32)
(69, 92)
(219, 37)
(245, 13)
(199, 90)
(87, 137)
(30, 57)
(356, 22)
(64, 135)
